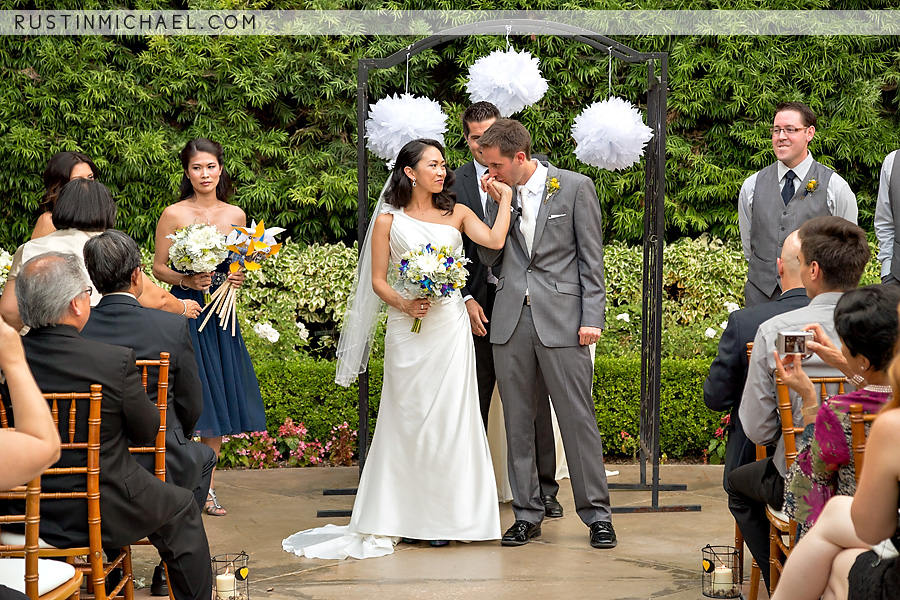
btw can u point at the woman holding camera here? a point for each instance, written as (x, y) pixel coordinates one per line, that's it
(866, 321)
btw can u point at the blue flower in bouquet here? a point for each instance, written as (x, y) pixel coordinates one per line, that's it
(432, 272)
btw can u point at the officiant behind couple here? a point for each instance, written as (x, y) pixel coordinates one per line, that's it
(428, 475)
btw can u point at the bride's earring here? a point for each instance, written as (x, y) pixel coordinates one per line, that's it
(414, 183)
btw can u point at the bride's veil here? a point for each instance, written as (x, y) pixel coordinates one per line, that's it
(362, 311)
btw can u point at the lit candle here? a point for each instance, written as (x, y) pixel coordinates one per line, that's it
(722, 580)
(225, 586)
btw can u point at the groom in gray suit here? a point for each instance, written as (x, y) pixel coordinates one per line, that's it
(479, 293)
(548, 310)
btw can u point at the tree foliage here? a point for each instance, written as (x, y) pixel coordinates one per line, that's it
(285, 110)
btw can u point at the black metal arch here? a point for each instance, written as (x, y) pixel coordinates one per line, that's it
(654, 222)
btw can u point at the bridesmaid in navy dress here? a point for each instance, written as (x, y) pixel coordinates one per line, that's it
(231, 398)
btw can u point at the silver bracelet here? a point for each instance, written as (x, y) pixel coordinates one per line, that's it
(184, 312)
(181, 284)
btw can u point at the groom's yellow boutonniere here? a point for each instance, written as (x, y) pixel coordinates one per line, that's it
(552, 187)
(811, 187)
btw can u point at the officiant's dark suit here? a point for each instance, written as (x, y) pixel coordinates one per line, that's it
(550, 306)
(483, 291)
(134, 504)
(120, 319)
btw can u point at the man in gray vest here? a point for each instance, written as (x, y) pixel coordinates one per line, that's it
(778, 199)
(887, 215)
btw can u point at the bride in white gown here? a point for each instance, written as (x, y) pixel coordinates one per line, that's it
(428, 474)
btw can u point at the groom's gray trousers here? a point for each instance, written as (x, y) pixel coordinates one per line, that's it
(568, 374)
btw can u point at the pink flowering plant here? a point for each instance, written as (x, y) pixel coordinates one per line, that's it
(288, 448)
(341, 447)
(715, 452)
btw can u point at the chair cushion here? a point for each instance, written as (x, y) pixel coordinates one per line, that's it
(778, 514)
(8, 538)
(51, 574)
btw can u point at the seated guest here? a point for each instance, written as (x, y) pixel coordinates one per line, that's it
(851, 551)
(54, 300)
(723, 387)
(84, 209)
(34, 445)
(113, 261)
(833, 254)
(866, 321)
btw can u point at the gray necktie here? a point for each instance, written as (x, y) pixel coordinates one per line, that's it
(527, 222)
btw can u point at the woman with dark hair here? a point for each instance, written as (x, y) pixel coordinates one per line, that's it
(62, 168)
(84, 209)
(428, 473)
(231, 400)
(865, 319)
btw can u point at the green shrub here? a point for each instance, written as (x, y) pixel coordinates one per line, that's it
(304, 390)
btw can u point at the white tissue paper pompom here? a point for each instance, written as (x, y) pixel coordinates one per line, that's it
(396, 120)
(507, 79)
(610, 134)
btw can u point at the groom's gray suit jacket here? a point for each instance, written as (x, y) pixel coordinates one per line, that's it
(564, 272)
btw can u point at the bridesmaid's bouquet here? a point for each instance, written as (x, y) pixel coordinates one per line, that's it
(429, 272)
(249, 246)
(197, 248)
(5, 264)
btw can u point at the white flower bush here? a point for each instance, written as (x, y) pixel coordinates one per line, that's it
(731, 307)
(623, 317)
(710, 332)
(302, 331)
(267, 332)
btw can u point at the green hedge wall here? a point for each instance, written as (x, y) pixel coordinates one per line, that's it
(305, 391)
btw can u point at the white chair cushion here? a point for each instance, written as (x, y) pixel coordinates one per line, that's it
(51, 574)
(778, 514)
(7, 538)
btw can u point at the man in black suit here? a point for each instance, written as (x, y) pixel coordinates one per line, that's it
(54, 300)
(723, 387)
(479, 293)
(113, 262)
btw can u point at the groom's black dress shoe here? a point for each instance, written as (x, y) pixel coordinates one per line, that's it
(158, 585)
(603, 535)
(552, 507)
(520, 533)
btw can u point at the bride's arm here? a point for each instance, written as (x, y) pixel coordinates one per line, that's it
(381, 254)
(489, 237)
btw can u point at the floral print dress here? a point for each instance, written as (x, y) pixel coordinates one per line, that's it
(824, 465)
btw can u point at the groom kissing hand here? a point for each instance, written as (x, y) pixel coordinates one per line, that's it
(549, 308)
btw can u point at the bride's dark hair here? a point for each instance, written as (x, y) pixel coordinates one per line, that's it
(399, 190)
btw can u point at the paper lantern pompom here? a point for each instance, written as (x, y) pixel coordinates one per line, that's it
(507, 79)
(610, 134)
(396, 120)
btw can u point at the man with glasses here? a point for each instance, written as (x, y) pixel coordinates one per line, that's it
(53, 298)
(781, 197)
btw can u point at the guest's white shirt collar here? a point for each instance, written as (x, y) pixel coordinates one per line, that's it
(480, 169)
(800, 170)
(537, 181)
(129, 294)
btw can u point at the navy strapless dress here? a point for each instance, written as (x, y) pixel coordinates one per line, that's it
(231, 400)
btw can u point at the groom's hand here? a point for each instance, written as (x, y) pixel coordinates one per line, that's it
(487, 186)
(589, 335)
(476, 317)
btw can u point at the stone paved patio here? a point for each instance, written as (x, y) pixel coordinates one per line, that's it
(658, 555)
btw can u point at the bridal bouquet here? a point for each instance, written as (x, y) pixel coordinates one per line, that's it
(197, 248)
(249, 246)
(429, 272)
(5, 264)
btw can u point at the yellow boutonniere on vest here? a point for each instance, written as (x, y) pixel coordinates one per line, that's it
(811, 187)
(552, 187)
